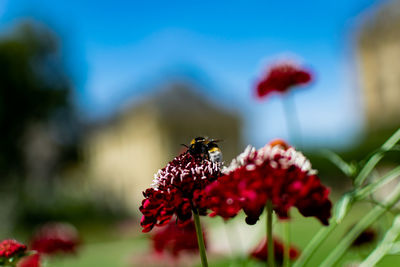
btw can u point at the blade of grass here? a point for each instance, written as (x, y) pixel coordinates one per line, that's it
(387, 178)
(345, 167)
(384, 246)
(375, 158)
(338, 252)
(323, 233)
(315, 242)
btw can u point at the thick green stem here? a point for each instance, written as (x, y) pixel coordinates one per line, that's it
(200, 239)
(366, 221)
(270, 241)
(286, 247)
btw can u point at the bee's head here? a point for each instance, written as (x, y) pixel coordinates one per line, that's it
(198, 140)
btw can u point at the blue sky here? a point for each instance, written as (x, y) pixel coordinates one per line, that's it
(112, 48)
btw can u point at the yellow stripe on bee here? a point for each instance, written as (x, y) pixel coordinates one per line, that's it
(214, 149)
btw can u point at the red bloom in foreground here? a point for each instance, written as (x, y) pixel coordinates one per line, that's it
(178, 189)
(11, 248)
(261, 251)
(54, 238)
(280, 78)
(173, 239)
(277, 173)
(30, 261)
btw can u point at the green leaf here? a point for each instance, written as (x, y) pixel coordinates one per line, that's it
(395, 249)
(385, 246)
(387, 178)
(343, 206)
(375, 158)
(348, 169)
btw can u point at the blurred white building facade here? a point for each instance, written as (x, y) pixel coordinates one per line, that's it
(123, 155)
(378, 53)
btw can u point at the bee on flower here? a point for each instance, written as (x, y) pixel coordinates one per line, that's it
(179, 188)
(206, 148)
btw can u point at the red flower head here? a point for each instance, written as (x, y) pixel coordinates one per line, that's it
(281, 77)
(30, 261)
(178, 189)
(261, 251)
(55, 237)
(275, 172)
(11, 248)
(173, 239)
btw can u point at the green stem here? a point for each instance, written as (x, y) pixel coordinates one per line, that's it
(366, 221)
(270, 241)
(292, 120)
(369, 166)
(385, 245)
(200, 239)
(323, 233)
(286, 247)
(315, 243)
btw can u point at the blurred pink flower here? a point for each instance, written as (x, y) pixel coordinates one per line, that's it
(281, 77)
(53, 238)
(368, 236)
(30, 261)
(174, 240)
(261, 251)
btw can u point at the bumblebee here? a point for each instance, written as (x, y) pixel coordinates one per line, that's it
(205, 148)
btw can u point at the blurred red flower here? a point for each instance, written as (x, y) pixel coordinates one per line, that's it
(178, 189)
(261, 251)
(53, 238)
(368, 236)
(30, 261)
(281, 77)
(11, 248)
(275, 172)
(173, 239)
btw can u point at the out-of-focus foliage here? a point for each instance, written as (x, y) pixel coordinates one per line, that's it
(33, 90)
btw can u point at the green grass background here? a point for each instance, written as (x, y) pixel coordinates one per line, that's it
(105, 246)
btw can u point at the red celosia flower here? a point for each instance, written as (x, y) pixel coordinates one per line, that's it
(261, 251)
(281, 77)
(55, 237)
(11, 248)
(277, 173)
(178, 189)
(173, 239)
(30, 261)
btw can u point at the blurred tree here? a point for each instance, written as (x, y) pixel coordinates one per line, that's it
(34, 90)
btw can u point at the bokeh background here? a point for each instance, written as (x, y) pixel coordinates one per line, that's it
(96, 96)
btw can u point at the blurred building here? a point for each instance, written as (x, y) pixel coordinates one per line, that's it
(378, 51)
(124, 154)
